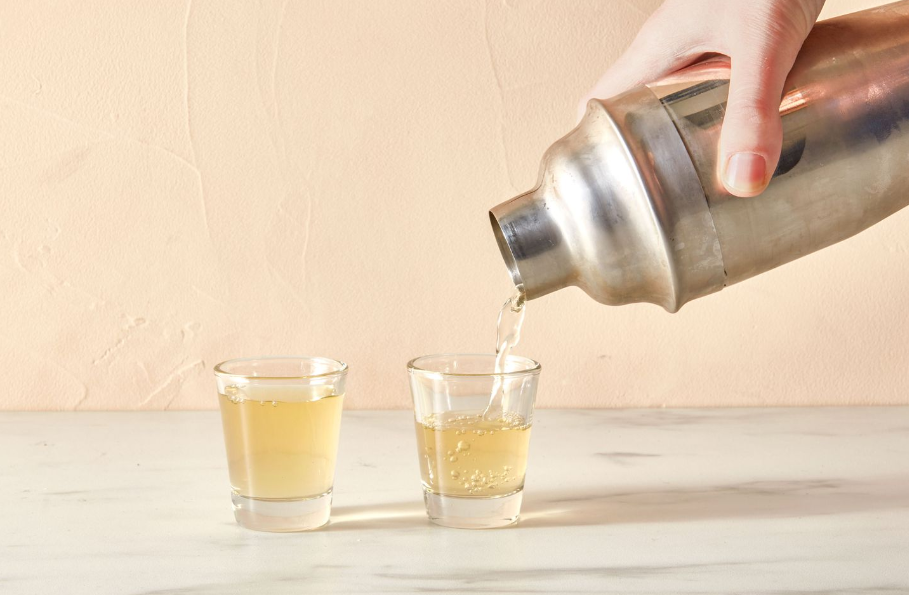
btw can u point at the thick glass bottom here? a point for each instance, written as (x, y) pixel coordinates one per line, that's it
(282, 516)
(462, 512)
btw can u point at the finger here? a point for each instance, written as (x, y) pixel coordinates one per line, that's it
(659, 49)
(633, 74)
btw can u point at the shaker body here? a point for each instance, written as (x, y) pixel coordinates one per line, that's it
(845, 159)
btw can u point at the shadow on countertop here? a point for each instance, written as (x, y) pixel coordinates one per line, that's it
(745, 500)
(669, 504)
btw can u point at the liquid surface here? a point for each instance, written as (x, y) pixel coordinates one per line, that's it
(280, 446)
(508, 334)
(470, 455)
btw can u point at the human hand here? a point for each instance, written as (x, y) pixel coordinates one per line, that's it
(761, 39)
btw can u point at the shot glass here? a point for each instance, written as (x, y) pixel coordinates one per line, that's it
(473, 433)
(281, 417)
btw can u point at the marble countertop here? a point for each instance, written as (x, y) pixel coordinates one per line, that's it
(756, 501)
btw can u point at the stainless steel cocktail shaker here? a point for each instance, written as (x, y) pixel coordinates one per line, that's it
(629, 206)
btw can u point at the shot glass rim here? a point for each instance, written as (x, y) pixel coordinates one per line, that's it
(413, 368)
(219, 371)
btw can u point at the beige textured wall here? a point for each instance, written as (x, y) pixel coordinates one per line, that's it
(182, 183)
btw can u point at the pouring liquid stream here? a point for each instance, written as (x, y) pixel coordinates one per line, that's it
(508, 334)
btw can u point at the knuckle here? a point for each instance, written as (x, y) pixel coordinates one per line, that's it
(748, 118)
(751, 108)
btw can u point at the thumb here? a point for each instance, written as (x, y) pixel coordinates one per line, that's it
(752, 132)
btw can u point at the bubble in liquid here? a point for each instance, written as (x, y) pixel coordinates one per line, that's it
(462, 446)
(452, 459)
(491, 433)
(450, 453)
(491, 486)
(430, 470)
(261, 403)
(274, 403)
(455, 474)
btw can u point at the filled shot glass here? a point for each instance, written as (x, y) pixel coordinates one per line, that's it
(281, 418)
(473, 433)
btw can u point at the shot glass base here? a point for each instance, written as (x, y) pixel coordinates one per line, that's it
(282, 516)
(473, 513)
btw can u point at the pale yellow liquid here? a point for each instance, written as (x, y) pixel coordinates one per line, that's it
(508, 334)
(280, 446)
(469, 455)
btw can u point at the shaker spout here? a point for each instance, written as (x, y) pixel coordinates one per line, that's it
(532, 245)
(505, 250)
